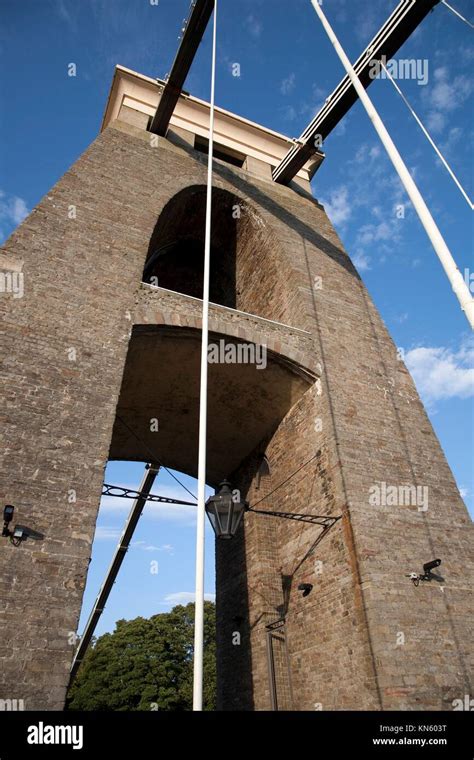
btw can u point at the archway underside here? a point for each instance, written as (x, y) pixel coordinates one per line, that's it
(158, 408)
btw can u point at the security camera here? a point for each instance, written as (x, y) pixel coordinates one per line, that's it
(306, 588)
(8, 513)
(429, 566)
(7, 518)
(23, 532)
(20, 532)
(427, 575)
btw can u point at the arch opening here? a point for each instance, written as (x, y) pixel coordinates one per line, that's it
(175, 258)
(161, 383)
(245, 267)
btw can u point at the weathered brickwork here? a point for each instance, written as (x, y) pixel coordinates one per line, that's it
(352, 417)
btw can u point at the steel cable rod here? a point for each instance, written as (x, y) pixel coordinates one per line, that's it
(151, 471)
(155, 458)
(445, 257)
(120, 492)
(428, 136)
(282, 483)
(456, 13)
(325, 521)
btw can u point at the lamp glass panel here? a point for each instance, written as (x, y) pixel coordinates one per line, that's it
(237, 513)
(224, 511)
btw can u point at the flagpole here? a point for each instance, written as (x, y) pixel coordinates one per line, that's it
(201, 512)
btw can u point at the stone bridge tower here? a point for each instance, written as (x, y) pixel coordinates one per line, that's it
(107, 336)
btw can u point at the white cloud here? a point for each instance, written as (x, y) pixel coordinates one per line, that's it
(184, 597)
(63, 12)
(19, 209)
(367, 154)
(370, 233)
(436, 121)
(12, 211)
(464, 492)
(441, 373)
(341, 128)
(319, 94)
(445, 95)
(106, 533)
(313, 104)
(361, 261)
(442, 94)
(288, 84)
(366, 23)
(454, 136)
(307, 108)
(372, 194)
(465, 53)
(103, 533)
(337, 206)
(254, 26)
(401, 318)
(144, 546)
(289, 113)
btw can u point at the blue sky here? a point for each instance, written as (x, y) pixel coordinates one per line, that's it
(288, 68)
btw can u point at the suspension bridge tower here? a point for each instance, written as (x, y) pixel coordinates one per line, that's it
(107, 336)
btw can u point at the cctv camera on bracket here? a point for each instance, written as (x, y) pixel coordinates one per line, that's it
(20, 532)
(427, 575)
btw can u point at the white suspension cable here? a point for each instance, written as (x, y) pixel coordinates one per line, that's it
(201, 512)
(457, 14)
(444, 254)
(428, 136)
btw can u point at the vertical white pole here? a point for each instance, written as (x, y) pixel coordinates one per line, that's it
(201, 513)
(454, 275)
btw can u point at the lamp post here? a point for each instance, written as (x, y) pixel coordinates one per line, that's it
(225, 511)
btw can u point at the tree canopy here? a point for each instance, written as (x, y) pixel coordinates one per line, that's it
(146, 665)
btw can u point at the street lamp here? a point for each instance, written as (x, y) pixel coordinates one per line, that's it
(225, 510)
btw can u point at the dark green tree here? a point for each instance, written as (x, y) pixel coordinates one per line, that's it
(147, 664)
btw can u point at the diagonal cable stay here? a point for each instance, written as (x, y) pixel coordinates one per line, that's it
(456, 13)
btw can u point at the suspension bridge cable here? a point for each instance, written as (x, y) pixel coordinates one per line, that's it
(456, 13)
(284, 482)
(445, 256)
(428, 136)
(154, 457)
